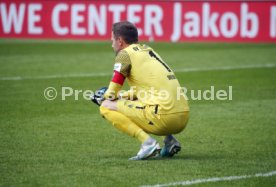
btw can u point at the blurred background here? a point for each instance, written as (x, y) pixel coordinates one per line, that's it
(239, 21)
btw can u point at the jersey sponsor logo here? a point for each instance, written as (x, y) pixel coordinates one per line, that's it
(171, 77)
(135, 48)
(117, 67)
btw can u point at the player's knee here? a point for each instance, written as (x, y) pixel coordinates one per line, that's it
(104, 111)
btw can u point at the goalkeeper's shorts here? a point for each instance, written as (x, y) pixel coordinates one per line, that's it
(148, 119)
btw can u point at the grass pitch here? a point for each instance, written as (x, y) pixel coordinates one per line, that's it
(67, 143)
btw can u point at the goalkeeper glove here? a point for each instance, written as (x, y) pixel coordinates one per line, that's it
(98, 97)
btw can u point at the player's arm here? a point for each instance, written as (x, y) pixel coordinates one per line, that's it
(122, 68)
(115, 86)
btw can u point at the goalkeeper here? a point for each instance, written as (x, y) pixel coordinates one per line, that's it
(152, 105)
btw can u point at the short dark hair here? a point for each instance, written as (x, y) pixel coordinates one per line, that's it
(126, 30)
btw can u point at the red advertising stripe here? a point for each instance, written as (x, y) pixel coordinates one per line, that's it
(158, 21)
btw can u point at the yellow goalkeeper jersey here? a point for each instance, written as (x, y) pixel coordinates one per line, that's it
(151, 79)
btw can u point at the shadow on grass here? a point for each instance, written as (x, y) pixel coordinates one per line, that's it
(187, 157)
(125, 155)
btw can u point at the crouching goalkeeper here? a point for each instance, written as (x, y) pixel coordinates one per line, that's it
(154, 105)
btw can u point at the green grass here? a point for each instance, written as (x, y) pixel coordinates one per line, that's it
(67, 143)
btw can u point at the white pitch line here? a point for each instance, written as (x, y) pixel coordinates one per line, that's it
(214, 179)
(223, 68)
(226, 68)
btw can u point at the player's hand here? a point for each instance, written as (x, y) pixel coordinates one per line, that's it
(98, 96)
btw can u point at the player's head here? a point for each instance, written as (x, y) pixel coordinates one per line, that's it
(124, 33)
